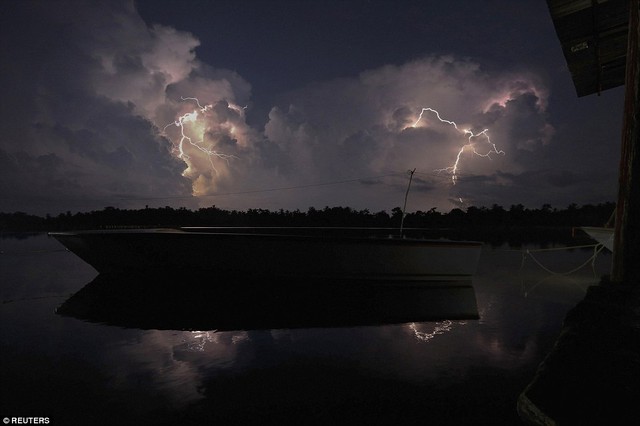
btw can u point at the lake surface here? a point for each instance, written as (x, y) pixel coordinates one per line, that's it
(132, 357)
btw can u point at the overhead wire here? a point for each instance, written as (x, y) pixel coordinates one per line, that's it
(256, 191)
(116, 198)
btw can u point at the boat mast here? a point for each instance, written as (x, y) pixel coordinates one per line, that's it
(406, 195)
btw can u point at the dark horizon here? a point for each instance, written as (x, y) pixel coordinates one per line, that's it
(494, 224)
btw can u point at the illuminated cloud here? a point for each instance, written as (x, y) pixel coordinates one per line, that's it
(94, 109)
(363, 125)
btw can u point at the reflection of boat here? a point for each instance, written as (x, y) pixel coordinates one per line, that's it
(292, 252)
(602, 235)
(151, 302)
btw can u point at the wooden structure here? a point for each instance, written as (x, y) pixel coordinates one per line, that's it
(599, 40)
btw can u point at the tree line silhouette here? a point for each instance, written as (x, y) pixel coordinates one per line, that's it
(493, 223)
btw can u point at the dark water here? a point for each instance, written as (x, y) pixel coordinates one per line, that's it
(382, 356)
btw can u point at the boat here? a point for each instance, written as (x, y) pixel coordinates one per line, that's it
(602, 235)
(323, 253)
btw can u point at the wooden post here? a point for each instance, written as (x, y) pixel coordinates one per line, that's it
(626, 254)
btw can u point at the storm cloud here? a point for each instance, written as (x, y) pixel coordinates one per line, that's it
(113, 111)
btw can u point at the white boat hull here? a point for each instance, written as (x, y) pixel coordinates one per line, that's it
(393, 259)
(602, 235)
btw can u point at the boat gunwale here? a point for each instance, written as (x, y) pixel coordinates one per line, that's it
(388, 240)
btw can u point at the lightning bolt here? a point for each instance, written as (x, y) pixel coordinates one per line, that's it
(192, 117)
(471, 143)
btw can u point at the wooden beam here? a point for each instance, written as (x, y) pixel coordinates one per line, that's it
(626, 254)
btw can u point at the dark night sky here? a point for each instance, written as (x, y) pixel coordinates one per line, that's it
(295, 94)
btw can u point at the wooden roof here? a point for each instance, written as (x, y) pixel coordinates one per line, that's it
(593, 35)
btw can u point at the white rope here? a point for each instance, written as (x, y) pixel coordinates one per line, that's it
(25, 299)
(43, 251)
(563, 248)
(597, 248)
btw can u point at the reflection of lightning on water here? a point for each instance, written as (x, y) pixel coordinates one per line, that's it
(471, 143)
(192, 117)
(441, 327)
(201, 338)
